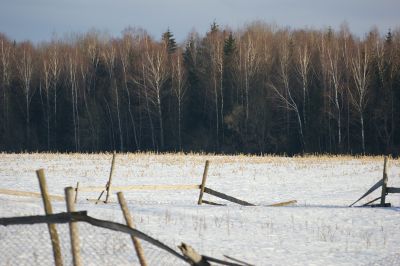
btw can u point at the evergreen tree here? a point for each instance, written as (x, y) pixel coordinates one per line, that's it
(329, 34)
(229, 65)
(230, 45)
(169, 40)
(218, 87)
(389, 37)
(214, 27)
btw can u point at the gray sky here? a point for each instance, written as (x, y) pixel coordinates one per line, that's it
(38, 20)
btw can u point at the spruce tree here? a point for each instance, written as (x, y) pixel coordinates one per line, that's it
(230, 45)
(214, 27)
(389, 37)
(169, 40)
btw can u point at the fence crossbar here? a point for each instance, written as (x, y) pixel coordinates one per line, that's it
(393, 190)
(141, 187)
(227, 197)
(29, 194)
(371, 201)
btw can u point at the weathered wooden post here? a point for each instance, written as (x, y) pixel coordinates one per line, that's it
(203, 183)
(129, 222)
(73, 227)
(55, 241)
(384, 183)
(76, 192)
(110, 177)
(108, 185)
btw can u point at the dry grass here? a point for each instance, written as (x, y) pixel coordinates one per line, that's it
(173, 157)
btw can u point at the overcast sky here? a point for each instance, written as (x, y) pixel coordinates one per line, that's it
(38, 20)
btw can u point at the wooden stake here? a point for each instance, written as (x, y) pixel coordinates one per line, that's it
(76, 192)
(203, 183)
(108, 185)
(384, 183)
(48, 210)
(129, 222)
(110, 177)
(73, 226)
(101, 194)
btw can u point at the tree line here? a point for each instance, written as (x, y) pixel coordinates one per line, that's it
(258, 89)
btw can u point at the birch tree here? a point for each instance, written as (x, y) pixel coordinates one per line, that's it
(284, 91)
(155, 65)
(359, 66)
(213, 52)
(5, 56)
(303, 67)
(109, 56)
(25, 69)
(88, 71)
(179, 88)
(331, 60)
(73, 82)
(46, 81)
(125, 49)
(250, 65)
(52, 67)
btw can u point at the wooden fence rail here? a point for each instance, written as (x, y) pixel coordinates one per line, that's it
(29, 194)
(139, 187)
(227, 197)
(202, 187)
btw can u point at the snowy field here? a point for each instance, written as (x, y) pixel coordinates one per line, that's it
(319, 230)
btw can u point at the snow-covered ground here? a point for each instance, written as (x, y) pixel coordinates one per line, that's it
(319, 230)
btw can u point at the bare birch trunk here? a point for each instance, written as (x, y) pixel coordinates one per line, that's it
(124, 62)
(25, 69)
(148, 109)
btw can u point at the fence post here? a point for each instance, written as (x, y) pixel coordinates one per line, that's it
(203, 183)
(384, 183)
(55, 241)
(73, 227)
(76, 192)
(129, 222)
(110, 177)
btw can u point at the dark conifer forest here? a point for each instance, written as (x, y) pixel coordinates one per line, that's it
(258, 89)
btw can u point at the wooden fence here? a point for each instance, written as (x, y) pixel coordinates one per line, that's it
(202, 187)
(72, 217)
(108, 188)
(384, 192)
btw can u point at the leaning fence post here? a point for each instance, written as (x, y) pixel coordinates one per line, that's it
(110, 177)
(203, 183)
(129, 222)
(55, 241)
(76, 192)
(384, 183)
(73, 227)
